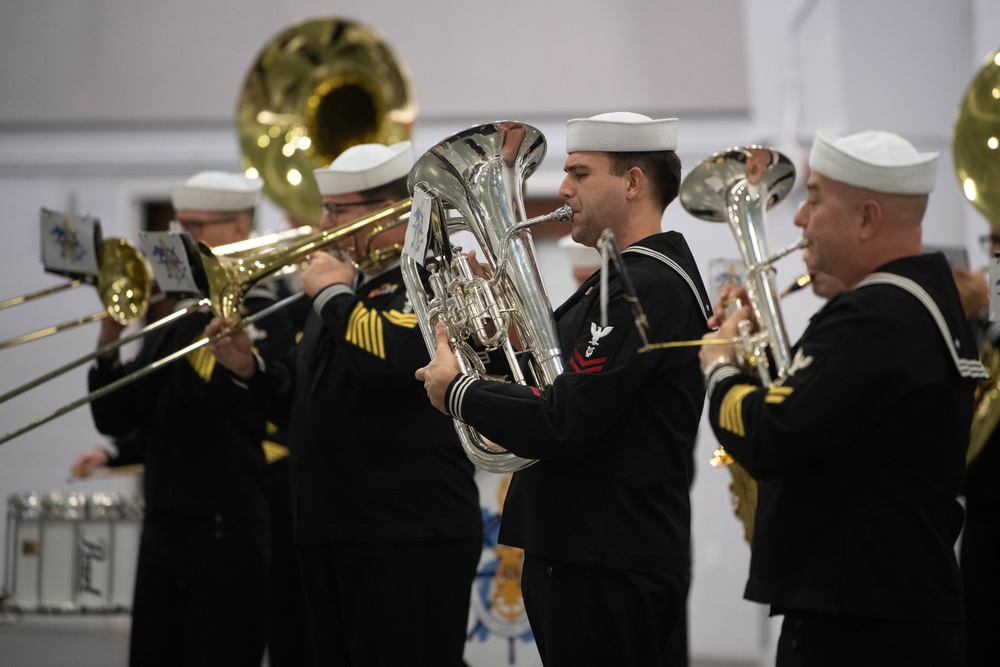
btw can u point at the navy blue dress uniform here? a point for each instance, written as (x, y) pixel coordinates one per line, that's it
(860, 449)
(980, 544)
(199, 595)
(610, 489)
(387, 518)
(284, 601)
(388, 527)
(603, 516)
(203, 552)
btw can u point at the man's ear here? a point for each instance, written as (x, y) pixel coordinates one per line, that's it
(636, 182)
(872, 218)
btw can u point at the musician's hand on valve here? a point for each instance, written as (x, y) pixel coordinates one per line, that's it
(234, 351)
(442, 369)
(728, 330)
(477, 268)
(324, 270)
(728, 295)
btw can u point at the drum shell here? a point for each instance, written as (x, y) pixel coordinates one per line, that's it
(72, 552)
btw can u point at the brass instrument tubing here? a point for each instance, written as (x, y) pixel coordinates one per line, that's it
(146, 370)
(104, 349)
(54, 329)
(17, 300)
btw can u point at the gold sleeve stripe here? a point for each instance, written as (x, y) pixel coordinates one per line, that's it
(408, 320)
(731, 410)
(202, 361)
(776, 395)
(364, 329)
(273, 451)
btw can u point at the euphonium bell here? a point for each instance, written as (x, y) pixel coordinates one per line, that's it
(479, 174)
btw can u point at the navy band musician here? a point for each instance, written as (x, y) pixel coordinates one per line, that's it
(203, 554)
(604, 515)
(388, 527)
(860, 448)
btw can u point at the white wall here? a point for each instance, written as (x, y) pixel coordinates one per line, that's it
(105, 104)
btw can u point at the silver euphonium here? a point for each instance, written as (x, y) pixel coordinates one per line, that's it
(474, 180)
(738, 186)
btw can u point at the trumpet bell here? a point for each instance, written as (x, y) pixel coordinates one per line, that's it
(316, 89)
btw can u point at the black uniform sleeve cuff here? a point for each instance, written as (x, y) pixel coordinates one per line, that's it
(455, 395)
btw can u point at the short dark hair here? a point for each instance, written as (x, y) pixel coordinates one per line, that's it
(662, 168)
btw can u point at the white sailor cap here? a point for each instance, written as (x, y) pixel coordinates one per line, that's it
(875, 160)
(580, 256)
(365, 166)
(621, 132)
(216, 191)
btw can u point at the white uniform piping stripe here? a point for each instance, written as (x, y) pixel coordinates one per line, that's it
(676, 267)
(966, 367)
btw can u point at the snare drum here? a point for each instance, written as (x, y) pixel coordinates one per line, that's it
(72, 552)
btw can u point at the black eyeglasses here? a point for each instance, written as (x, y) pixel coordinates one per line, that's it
(335, 209)
(989, 242)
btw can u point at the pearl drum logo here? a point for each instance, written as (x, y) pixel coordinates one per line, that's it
(93, 555)
(93, 564)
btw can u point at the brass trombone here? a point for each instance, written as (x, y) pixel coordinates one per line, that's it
(114, 276)
(124, 283)
(31, 296)
(314, 90)
(228, 279)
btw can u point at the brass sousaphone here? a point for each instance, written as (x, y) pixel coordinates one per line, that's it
(976, 152)
(316, 89)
